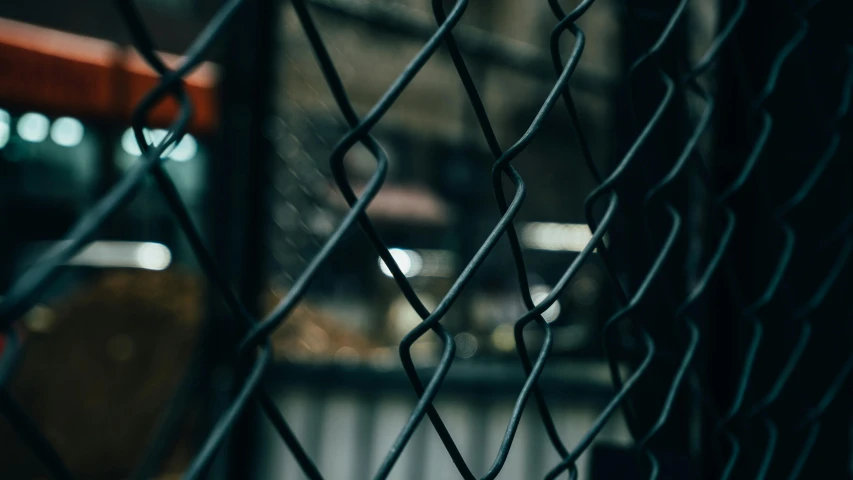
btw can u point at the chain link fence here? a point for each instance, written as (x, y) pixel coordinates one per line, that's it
(723, 228)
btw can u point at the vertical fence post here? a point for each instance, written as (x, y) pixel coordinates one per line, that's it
(239, 177)
(643, 92)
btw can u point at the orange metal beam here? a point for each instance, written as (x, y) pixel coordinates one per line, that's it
(63, 73)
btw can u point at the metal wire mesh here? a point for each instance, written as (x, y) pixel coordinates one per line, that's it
(652, 304)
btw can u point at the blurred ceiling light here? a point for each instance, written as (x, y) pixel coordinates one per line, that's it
(185, 150)
(409, 261)
(568, 237)
(128, 143)
(421, 262)
(67, 131)
(153, 256)
(33, 127)
(538, 294)
(117, 254)
(5, 120)
(154, 137)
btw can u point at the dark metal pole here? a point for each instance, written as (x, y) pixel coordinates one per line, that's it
(239, 177)
(641, 96)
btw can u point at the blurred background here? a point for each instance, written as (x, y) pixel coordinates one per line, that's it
(133, 315)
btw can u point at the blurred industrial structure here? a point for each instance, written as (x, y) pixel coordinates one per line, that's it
(266, 200)
(70, 95)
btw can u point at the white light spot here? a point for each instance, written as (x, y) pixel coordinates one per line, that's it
(33, 127)
(152, 137)
(67, 131)
(128, 143)
(153, 256)
(5, 120)
(538, 294)
(185, 150)
(571, 237)
(409, 261)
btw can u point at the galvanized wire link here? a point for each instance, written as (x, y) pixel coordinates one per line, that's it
(648, 304)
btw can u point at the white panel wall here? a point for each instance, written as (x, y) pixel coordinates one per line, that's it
(337, 418)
